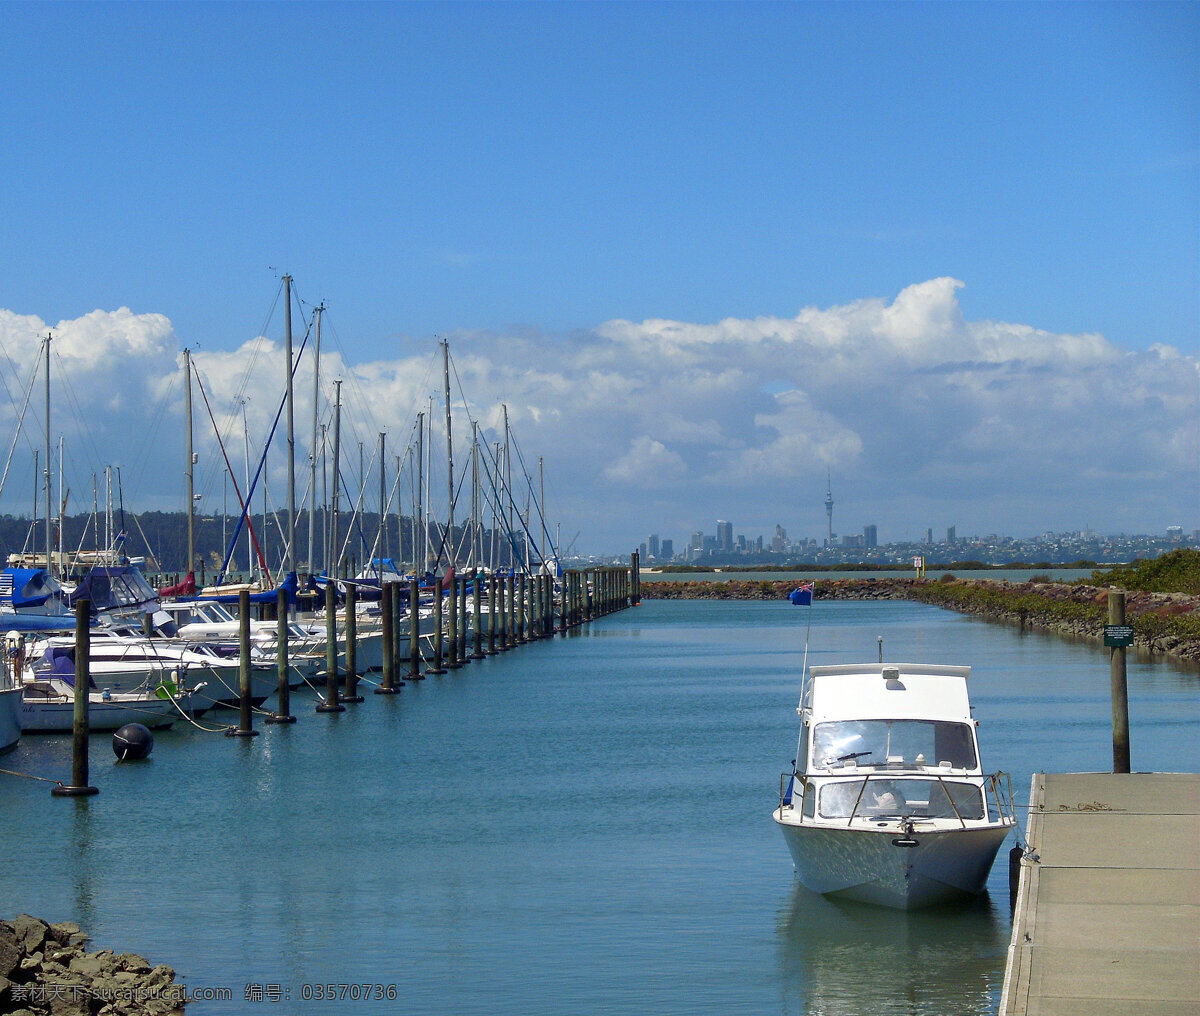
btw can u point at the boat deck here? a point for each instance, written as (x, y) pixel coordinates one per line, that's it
(1107, 919)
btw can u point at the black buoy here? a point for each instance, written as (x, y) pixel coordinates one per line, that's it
(132, 741)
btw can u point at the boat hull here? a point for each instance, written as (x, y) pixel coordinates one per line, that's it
(57, 716)
(882, 866)
(10, 719)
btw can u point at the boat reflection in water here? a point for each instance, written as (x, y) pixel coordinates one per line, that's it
(841, 958)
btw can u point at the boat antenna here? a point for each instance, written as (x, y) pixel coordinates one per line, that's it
(804, 679)
(879, 638)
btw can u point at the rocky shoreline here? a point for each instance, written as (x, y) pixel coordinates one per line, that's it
(1076, 611)
(45, 971)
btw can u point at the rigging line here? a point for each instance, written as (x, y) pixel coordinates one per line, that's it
(20, 426)
(355, 522)
(30, 776)
(258, 473)
(142, 455)
(86, 433)
(232, 476)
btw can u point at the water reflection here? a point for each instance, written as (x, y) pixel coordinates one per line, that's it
(846, 959)
(83, 862)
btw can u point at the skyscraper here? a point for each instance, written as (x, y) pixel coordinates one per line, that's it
(829, 508)
(724, 535)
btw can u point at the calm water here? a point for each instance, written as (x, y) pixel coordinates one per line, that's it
(580, 825)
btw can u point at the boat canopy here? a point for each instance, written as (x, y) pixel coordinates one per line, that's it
(30, 588)
(116, 587)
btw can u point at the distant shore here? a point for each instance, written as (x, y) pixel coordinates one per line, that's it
(1164, 623)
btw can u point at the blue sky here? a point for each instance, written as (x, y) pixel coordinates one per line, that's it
(535, 171)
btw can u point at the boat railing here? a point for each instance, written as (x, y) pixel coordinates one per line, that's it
(997, 786)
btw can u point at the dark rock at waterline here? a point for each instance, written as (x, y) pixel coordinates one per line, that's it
(45, 971)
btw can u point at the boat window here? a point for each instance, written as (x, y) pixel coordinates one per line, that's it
(874, 742)
(883, 798)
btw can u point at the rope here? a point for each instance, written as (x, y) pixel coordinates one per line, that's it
(30, 776)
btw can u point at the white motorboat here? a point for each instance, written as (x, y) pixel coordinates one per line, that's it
(887, 802)
(48, 707)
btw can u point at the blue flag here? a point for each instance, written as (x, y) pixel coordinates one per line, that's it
(802, 595)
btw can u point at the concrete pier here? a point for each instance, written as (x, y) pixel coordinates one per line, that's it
(1107, 917)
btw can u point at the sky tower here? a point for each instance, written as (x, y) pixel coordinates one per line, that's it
(829, 507)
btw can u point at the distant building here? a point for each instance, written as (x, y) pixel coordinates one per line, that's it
(852, 540)
(870, 537)
(652, 546)
(950, 538)
(697, 541)
(929, 535)
(667, 547)
(642, 552)
(1175, 534)
(724, 535)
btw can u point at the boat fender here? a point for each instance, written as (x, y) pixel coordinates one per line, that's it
(133, 741)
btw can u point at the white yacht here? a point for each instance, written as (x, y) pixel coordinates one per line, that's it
(887, 802)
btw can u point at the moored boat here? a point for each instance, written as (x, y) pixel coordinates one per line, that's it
(887, 802)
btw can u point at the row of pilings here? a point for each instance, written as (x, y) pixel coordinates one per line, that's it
(505, 611)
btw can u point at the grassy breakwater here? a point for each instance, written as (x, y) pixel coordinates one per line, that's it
(1162, 600)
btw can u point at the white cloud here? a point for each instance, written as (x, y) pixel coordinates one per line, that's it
(923, 417)
(647, 463)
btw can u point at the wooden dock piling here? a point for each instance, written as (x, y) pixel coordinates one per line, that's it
(282, 662)
(79, 729)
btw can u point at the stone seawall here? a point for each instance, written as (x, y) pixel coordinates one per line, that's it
(44, 969)
(1164, 623)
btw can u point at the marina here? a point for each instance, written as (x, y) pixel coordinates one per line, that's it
(583, 824)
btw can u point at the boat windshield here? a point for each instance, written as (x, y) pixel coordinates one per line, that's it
(884, 798)
(877, 742)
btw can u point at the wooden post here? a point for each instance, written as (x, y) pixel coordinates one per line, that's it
(282, 661)
(437, 667)
(452, 624)
(245, 727)
(414, 631)
(491, 623)
(510, 591)
(331, 703)
(387, 616)
(79, 731)
(476, 595)
(1120, 689)
(460, 584)
(351, 690)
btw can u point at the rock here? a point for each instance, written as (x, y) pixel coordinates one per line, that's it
(63, 932)
(133, 963)
(10, 950)
(30, 931)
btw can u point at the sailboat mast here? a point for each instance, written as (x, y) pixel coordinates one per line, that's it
(449, 457)
(49, 559)
(191, 462)
(382, 497)
(419, 553)
(335, 553)
(474, 494)
(312, 455)
(508, 486)
(291, 433)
